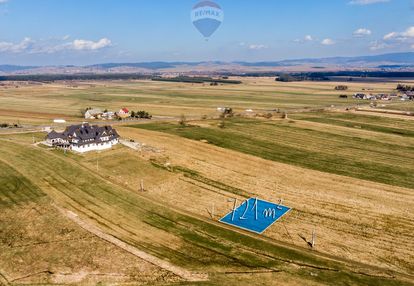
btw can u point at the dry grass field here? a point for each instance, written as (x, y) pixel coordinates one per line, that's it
(40, 104)
(346, 175)
(40, 245)
(358, 219)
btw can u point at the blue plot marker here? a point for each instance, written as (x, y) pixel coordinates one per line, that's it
(255, 215)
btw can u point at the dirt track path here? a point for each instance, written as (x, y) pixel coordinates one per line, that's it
(185, 274)
(384, 114)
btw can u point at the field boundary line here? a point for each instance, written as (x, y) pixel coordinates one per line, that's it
(183, 273)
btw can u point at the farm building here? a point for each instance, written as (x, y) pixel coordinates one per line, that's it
(93, 114)
(123, 113)
(84, 138)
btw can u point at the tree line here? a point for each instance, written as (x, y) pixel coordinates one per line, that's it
(405, 88)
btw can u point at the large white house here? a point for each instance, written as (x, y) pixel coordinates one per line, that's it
(84, 138)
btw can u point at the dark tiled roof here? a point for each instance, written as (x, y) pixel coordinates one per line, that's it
(55, 135)
(85, 133)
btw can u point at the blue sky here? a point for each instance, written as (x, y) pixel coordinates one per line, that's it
(44, 32)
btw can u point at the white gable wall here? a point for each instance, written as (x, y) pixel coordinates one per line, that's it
(94, 146)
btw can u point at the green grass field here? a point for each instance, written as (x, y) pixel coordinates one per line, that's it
(291, 142)
(402, 106)
(404, 128)
(15, 188)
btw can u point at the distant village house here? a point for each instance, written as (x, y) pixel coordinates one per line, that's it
(123, 113)
(93, 114)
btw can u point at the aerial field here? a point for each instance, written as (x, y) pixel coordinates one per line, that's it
(39, 245)
(349, 210)
(346, 175)
(40, 104)
(385, 159)
(161, 227)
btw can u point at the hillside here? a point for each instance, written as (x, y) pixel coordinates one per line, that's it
(394, 61)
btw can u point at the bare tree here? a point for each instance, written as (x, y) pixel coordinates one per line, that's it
(183, 120)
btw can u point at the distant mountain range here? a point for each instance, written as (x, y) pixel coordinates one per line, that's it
(400, 58)
(394, 61)
(11, 68)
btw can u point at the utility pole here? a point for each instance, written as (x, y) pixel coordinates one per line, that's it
(142, 186)
(313, 238)
(279, 207)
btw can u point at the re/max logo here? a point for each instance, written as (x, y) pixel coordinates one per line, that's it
(204, 13)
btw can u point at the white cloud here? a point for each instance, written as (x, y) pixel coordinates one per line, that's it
(328, 42)
(367, 2)
(29, 46)
(390, 36)
(362, 32)
(66, 37)
(257, 47)
(402, 40)
(6, 47)
(308, 38)
(85, 45)
(24, 45)
(375, 46)
(3, 1)
(405, 36)
(409, 32)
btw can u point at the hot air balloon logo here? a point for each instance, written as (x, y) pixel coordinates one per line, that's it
(207, 17)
